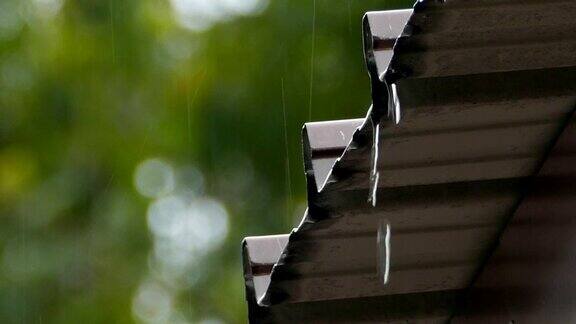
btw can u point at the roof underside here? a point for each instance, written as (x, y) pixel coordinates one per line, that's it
(484, 88)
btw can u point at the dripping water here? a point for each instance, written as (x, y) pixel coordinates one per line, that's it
(393, 103)
(383, 241)
(374, 174)
(394, 114)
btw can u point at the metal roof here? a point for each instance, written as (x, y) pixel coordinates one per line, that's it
(530, 276)
(465, 108)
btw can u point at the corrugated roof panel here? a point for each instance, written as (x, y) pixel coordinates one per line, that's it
(530, 276)
(260, 253)
(324, 143)
(479, 109)
(428, 308)
(471, 37)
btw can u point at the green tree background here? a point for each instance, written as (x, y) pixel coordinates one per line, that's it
(141, 140)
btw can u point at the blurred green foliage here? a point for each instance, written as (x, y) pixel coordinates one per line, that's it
(89, 89)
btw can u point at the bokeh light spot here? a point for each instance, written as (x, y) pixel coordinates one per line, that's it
(199, 15)
(152, 303)
(154, 178)
(47, 8)
(11, 21)
(201, 225)
(211, 321)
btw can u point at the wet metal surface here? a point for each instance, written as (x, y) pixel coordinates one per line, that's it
(483, 90)
(531, 276)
